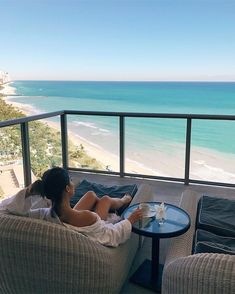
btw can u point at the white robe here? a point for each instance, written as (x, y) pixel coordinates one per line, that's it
(33, 206)
(106, 233)
(109, 233)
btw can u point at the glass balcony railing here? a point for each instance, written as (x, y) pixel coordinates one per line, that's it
(41, 141)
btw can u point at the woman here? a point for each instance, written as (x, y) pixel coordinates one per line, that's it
(90, 213)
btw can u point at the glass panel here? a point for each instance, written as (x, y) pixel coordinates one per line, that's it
(11, 167)
(155, 146)
(93, 142)
(45, 145)
(213, 151)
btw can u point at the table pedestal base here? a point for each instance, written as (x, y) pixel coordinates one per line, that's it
(143, 277)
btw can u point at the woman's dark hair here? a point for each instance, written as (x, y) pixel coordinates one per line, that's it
(36, 188)
(52, 185)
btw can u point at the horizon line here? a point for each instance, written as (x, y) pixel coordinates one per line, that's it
(130, 81)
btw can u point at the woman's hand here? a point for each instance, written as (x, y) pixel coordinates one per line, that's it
(135, 216)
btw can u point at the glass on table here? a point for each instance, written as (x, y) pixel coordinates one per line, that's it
(160, 213)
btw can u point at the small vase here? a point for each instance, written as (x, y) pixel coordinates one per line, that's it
(161, 215)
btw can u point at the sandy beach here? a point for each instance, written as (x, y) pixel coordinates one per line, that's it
(7, 89)
(107, 158)
(206, 164)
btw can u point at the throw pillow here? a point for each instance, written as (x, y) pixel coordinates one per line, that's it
(216, 215)
(101, 190)
(211, 243)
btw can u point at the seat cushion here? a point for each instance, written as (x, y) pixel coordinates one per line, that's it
(216, 215)
(207, 242)
(101, 190)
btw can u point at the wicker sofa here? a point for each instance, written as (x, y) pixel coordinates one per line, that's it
(200, 273)
(41, 257)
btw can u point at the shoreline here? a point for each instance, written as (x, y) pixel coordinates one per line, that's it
(206, 164)
(7, 89)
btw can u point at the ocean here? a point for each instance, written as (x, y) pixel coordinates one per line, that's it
(153, 143)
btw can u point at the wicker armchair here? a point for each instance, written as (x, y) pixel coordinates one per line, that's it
(41, 257)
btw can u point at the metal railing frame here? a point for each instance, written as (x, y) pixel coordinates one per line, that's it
(23, 122)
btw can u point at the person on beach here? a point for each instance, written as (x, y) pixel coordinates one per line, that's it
(89, 215)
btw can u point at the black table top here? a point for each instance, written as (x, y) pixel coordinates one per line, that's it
(176, 223)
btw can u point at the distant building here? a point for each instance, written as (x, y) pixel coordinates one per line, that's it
(4, 77)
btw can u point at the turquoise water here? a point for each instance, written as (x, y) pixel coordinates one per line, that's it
(159, 97)
(169, 97)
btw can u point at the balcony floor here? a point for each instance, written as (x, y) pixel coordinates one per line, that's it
(161, 191)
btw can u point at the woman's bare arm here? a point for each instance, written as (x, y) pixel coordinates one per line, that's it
(81, 218)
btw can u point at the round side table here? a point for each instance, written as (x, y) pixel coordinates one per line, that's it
(177, 222)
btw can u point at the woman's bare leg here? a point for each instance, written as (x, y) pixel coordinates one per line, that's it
(87, 202)
(106, 203)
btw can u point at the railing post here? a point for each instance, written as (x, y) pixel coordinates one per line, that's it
(64, 140)
(122, 146)
(26, 153)
(187, 151)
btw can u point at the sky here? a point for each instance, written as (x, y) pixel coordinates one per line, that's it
(123, 40)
